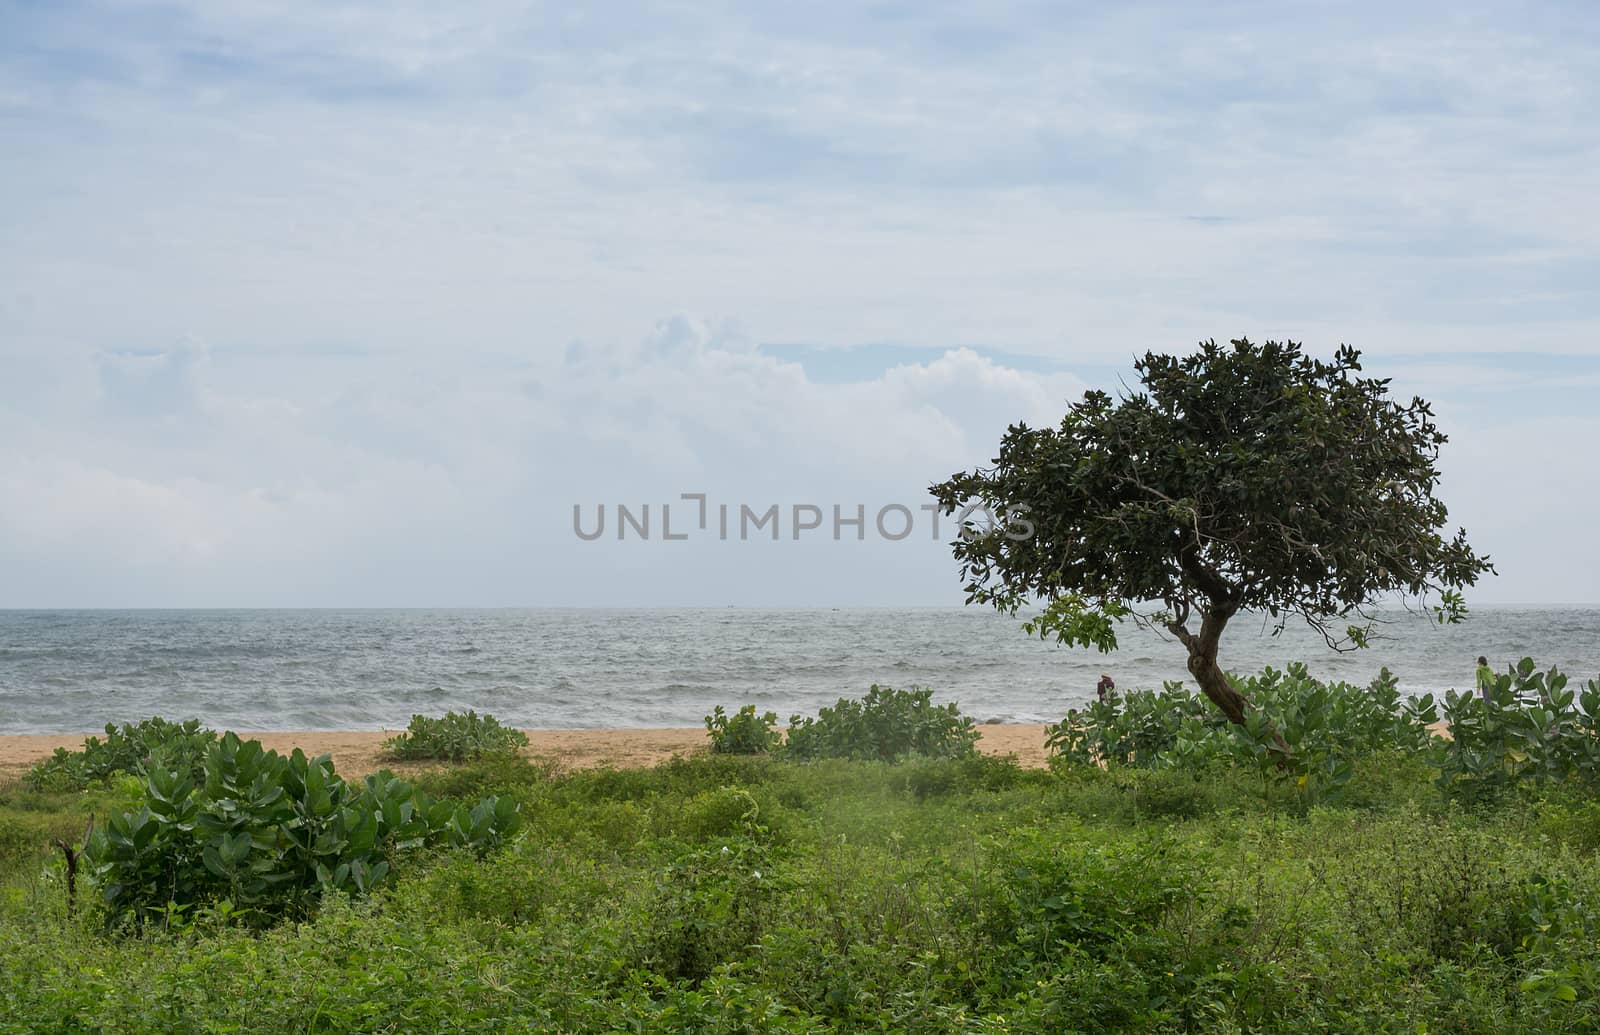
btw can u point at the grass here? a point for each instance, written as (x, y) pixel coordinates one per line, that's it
(752, 894)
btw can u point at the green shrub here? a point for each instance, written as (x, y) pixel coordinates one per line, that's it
(885, 725)
(611, 784)
(1531, 727)
(463, 886)
(1137, 727)
(614, 824)
(934, 777)
(455, 737)
(1325, 727)
(1574, 822)
(126, 749)
(744, 733)
(1041, 904)
(269, 835)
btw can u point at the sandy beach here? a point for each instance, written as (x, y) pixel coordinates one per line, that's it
(358, 752)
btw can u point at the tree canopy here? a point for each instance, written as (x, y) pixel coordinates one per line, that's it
(1240, 477)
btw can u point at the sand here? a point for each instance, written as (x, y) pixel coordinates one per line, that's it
(356, 753)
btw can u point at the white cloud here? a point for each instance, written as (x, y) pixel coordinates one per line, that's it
(415, 252)
(427, 481)
(415, 177)
(365, 480)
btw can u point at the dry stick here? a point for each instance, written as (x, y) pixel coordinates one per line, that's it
(72, 855)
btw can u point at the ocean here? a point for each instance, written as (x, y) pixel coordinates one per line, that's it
(72, 671)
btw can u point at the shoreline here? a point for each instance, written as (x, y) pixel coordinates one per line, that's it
(359, 752)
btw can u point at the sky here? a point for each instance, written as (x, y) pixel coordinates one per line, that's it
(347, 303)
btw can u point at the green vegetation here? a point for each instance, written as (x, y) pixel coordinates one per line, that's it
(455, 737)
(1302, 737)
(884, 725)
(128, 749)
(1531, 727)
(744, 732)
(1163, 875)
(1305, 737)
(1241, 477)
(261, 837)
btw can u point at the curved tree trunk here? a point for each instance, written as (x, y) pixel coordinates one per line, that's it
(1215, 686)
(1208, 674)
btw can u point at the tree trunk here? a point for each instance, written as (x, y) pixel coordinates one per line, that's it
(1213, 683)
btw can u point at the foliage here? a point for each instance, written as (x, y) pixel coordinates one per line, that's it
(455, 737)
(1240, 477)
(743, 733)
(129, 748)
(267, 836)
(709, 908)
(1050, 899)
(741, 894)
(1303, 736)
(25, 834)
(885, 725)
(1133, 727)
(1143, 893)
(1531, 727)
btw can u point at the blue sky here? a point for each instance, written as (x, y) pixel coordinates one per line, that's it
(349, 303)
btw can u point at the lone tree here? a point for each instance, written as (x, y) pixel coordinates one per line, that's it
(1242, 477)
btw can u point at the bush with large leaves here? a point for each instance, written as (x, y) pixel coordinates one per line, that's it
(270, 835)
(746, 732)
(1302, 733)
(1530, 727)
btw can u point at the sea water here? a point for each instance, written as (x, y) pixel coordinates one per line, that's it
(70, 671)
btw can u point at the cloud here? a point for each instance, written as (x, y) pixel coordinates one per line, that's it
(336, 484)
(366, 480)
(305, 285)
(416, 176)
(150, 385)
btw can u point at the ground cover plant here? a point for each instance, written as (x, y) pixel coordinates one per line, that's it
(1175, 890)
(455, 737)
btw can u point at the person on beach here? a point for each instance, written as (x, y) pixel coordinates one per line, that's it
(1485, 678)
(1104, 687)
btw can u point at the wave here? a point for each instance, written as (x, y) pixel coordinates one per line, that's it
(62, 671)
